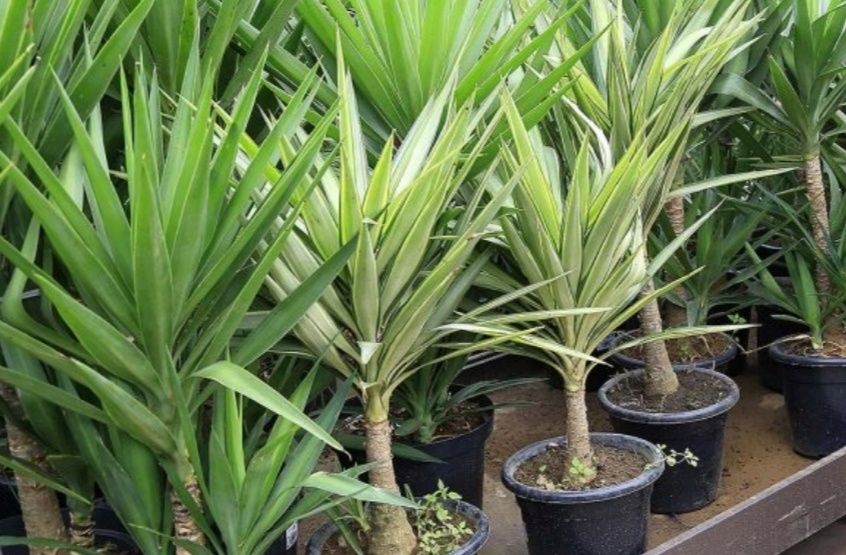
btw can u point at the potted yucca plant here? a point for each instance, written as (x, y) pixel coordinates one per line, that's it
(797, 301)
(576, 242)
(158, 273)
(414, 260)
(649, 93)
(43, 47)
(800, 105)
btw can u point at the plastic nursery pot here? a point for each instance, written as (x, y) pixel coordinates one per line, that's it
(720, 363)
(462, 466)
(108, 531)
(771, 330)
(478, 521)
(741, 337)
(287, 544)
(604, 521)
(681, 488)
(814, 393)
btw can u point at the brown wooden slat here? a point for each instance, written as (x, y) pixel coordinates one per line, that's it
(773, 520)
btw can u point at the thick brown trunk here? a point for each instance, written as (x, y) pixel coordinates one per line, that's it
(184, 526)
(661, 379)
(578, 431)
(39, 504)
(819, 219)
(391, 532)
(675, 213)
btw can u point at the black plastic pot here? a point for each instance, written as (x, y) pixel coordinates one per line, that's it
(741, 337)
(462, 466)
(771, 330)
(603, 521)
(478, 521)
(720, 363)
(105, 533)
(682, 488)
(815, 396)
(287, 544)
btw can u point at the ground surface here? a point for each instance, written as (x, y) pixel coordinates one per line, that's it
(757, 455)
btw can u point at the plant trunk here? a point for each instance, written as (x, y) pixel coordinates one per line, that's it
(815, 190)
(675, 213)
(676, 315)
(184, 526)
(82, 530)
(39, 505)
(819, 219)
(391, 532)
(578, 433)
(660, 377)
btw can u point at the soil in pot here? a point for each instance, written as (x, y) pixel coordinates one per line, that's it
(609, 519)
(327, 541)
(713, 352)
(460, 446)
(549, 470)
(814, 393)
(689, 425)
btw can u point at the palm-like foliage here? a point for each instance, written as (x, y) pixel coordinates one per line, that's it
(585, 237)
(155, 293)
(803, 101)
(648, 90)
(401, 54)
(43, 44)
(413, 257)
(583, 240)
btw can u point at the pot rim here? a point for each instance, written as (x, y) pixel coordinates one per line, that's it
(645, 479)
(778, 354)
(707, 363)
(473, 544)
(720, 407)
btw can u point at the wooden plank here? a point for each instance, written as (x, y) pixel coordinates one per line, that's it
(773, 520)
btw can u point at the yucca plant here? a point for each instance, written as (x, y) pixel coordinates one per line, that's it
(801, 103)
(157, 257)
(648, 90)
(801, 301)
(401, 54)
(44, 44)
(582, 239)
(414, 260)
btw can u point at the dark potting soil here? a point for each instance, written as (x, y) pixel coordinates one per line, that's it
(550, 470)
(803, 347)
(696, 391)
(337, 545)
(689, 349)
(462, 419)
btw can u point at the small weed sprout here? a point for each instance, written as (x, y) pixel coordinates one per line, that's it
(579, 471)
(439, 530)
(673, 457)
